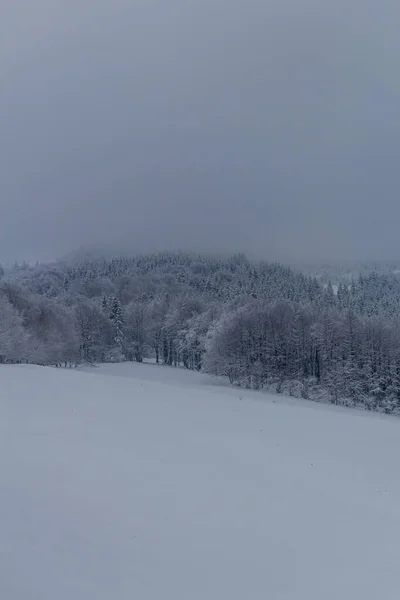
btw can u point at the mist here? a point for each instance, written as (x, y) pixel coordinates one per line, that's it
(268, 127)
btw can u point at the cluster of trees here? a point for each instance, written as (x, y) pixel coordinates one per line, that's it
(313, 352)
(259, 324)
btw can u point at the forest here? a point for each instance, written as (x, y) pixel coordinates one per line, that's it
(261, 325)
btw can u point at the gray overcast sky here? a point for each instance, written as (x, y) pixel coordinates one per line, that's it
(265, 126)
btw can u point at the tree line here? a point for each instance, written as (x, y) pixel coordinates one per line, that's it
(261, 325)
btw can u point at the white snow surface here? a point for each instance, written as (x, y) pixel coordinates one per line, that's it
(152, 483)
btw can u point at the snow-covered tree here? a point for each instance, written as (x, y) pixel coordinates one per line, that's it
(14, 340)
(117, 322)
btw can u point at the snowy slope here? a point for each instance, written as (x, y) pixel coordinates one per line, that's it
(116, 485)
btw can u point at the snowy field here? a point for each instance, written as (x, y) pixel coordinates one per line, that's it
(147, 483)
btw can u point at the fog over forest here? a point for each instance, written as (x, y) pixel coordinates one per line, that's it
(180, 158)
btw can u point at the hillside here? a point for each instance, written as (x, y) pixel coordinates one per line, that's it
(137, 481)
(261, 325)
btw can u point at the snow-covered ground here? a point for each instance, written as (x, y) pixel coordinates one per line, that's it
(148, 483)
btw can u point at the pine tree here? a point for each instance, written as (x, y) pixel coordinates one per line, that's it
(330, 298)
(116, 319)
(105, 305)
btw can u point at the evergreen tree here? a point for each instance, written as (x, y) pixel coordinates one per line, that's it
(116, 319)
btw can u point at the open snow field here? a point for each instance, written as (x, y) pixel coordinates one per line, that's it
(147, 483)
